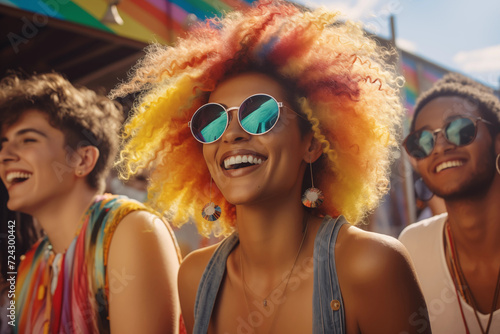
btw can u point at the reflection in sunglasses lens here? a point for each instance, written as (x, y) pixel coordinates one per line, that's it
(459, 132)
(257, 115)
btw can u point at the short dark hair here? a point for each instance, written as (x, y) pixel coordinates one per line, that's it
(85, 117)
(455, 84)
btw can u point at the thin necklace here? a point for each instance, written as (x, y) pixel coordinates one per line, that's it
(287, 278)
(460, 281)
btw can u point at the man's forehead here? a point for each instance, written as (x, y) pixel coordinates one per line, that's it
(447, 107)
(31, 118)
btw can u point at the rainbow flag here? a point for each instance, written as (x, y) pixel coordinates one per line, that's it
(411, 88)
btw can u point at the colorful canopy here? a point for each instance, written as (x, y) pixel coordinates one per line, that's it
(144, 20)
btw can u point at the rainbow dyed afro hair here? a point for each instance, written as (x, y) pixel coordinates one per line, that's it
(341, 82)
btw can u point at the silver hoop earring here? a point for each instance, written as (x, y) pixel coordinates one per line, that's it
(422, 192)
(211, 211)
(496, 164)
(312, 197)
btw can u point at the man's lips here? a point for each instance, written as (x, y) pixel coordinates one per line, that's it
(13, 177)
(448, 164)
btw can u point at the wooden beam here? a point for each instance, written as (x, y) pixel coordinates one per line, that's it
(87, 56)
(128, 61)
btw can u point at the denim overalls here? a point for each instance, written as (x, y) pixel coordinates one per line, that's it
(328, 309)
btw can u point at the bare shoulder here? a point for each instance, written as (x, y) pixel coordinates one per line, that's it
(142, 221)
(148, 233)
(370, 254)
(193, 266)
(190, 273)
(195, 262)
(150, 236)
(372, 268)
(142, 270)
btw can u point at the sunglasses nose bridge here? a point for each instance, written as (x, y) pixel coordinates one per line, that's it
(230, 115)
(441, 141)
(234, 130)
(444, 135)
(436, 133)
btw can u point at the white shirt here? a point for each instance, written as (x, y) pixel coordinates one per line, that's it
(424, 241)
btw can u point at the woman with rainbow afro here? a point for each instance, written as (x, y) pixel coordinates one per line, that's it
(250, 122)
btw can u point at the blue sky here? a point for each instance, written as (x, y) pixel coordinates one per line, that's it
(460, 35)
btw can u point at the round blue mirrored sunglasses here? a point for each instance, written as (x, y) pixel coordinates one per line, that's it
(257, 115)
(459, 131)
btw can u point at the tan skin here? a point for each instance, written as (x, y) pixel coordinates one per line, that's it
(473, 218)
(57, 195)
(378, 283)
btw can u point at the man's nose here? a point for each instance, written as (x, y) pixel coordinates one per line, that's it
(441, 144)
(7, 152)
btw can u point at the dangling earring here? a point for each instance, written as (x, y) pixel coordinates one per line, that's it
(422, 192)
(496, 164)
(312, 197)
(211, 211)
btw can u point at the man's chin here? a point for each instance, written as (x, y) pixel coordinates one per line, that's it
(465, 192)
(14, 205)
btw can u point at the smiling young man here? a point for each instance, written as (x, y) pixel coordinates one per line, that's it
(106, 263)
(455, 140)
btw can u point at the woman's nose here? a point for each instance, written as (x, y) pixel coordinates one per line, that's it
(234, 131)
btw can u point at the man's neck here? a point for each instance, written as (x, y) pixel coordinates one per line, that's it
(60, 217)
(475, 222)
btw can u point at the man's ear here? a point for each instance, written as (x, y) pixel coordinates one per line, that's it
(314, 150)
(88, 159)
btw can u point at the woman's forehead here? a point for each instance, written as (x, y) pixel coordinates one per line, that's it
(232, 91)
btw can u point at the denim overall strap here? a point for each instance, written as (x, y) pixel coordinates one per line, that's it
(210, 283)
(328, 307)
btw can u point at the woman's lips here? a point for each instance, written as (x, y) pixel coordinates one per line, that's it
(242, 161)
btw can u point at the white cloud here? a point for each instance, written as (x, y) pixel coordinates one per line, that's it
(361, 8)
(374, 14)
(406, 45)
(480, 61)
(354, 9)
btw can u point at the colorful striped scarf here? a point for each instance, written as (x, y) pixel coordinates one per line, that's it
(77, 302)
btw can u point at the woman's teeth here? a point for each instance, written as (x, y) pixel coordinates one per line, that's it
(236, 160)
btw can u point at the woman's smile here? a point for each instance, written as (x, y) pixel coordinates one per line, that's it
(249, 168)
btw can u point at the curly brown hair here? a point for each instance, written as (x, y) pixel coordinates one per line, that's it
(85, 117)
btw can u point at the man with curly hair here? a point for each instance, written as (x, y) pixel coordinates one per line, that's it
(455, 141)
(106, 263)
(270, 102)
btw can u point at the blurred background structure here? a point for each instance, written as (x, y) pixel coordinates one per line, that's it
(93, 42)
(96, 42)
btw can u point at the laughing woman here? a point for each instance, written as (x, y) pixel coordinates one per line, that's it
(252, 121)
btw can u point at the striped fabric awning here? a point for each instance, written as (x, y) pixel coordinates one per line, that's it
(144, 20)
